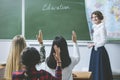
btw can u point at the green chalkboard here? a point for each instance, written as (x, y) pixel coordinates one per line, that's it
(56, 17)
(10, 18)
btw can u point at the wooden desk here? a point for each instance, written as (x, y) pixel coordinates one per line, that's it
(2, 66)
(82, 75)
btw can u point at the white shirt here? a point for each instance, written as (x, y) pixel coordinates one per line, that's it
(99, 35)
(66, 72)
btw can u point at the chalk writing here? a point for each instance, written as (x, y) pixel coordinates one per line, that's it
(50, 7)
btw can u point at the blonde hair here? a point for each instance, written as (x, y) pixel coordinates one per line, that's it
(13, 61)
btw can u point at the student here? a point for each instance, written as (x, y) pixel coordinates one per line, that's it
(99, 60)
(13, 61)
(30, 57)
(68, 62)
(12, 64)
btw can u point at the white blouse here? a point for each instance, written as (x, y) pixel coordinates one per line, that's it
(66, 72)
(99, 35)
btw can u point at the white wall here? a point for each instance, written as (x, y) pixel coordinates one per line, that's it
(113, 52)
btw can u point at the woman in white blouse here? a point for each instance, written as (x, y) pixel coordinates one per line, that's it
(67, 62)
(99, 60)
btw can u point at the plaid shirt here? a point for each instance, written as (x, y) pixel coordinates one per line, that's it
(38, 75)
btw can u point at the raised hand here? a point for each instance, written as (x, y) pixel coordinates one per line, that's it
(74, 37)
(40, 37)
(57, 53)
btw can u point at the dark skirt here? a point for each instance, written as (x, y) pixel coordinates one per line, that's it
(100, 64)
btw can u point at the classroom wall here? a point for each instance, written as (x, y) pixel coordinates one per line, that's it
(113, 51)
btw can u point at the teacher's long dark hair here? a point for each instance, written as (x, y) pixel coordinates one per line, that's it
(65, 58)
